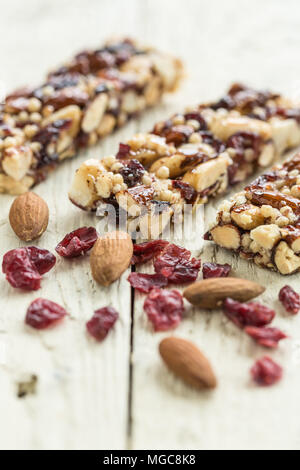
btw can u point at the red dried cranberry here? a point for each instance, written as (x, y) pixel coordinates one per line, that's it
(124, 151)
(164, 308)
(251, 314)
(196, 117)
(24, 267)
(132, 173)
(43, 313)
(175, 264)
(52, 132)
(43, 260)
(215, 270)
(178, 135)
(290, 299)
(266, 372)
(102, 322)
(77, 242)
(145, 282)
(245, 140)
(186, 190)
(143, 252)
(268, 337)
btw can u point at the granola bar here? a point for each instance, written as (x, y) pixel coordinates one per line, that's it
(190, 157)
(261, 223)
(79, 103)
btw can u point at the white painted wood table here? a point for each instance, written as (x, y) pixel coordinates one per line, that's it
(118, 394)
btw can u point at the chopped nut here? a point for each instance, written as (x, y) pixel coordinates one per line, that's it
(16, 161)
(266, 236)
(227, 236)
(94, 113)
(249, 218)
(285, 259)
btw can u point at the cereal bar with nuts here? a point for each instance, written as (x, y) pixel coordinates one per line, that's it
(262, 223)
(183, 160)
(79, 103)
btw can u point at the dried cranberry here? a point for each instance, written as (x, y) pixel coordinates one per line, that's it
(66, 97)
(290, 299)
(145, 282)
(52, 132)
(217, 144)
(251, 314)
(197, 117)
(266, 372)
(245, 140)
(43, 313)
(215, 270)
(268, 337)
(186, 190)
(77, 242)
(164, 308)
(132, 173)
(175, 264)
(178, 135)
(24, 267)
(102, 322)
(43, 260)
(143, 252)
(124, 151)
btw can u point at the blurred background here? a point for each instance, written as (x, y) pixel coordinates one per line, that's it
(255, 41)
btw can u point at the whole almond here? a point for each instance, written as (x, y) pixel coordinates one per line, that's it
(187, 362)
(110, 257)
(29, 216)
(210, 293)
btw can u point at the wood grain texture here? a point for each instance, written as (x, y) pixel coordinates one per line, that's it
(107, 396)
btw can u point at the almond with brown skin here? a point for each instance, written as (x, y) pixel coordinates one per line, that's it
(110, 257)
(210, 293)
(29, 216)
(187, 362)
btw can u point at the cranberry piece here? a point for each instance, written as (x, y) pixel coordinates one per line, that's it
(175, 264)
(266, 372)
(24, 267)
(215, 270)
(124, 151)
(77, 242)
(145, 282)
(290, 299)
(143, 252)
(43, 260)
(52, 132)
(164, 308)
(43, 313)
(268, 337)
(186, 190)
(102, 322)
(244, 140)
(251, 314)
(196, 117)
(132, 173)
(178, 135)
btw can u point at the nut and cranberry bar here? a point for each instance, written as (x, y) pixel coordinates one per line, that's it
(262, 223)
(78, 104)
(188, 158)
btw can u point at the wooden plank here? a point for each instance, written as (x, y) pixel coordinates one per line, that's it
(81, 385)
(168, 414)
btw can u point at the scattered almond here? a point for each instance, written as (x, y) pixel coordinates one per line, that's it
(110, 257)
(187, 362)
(29, 216)
(210, 293)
